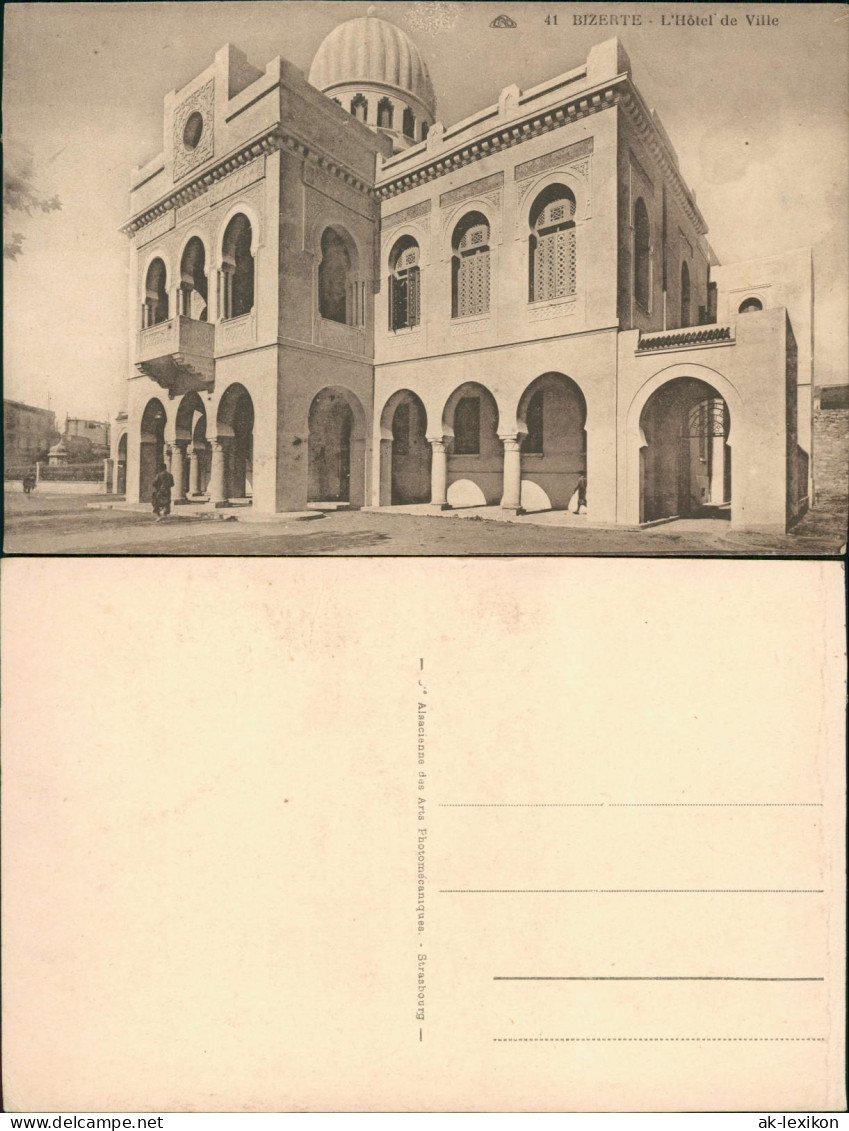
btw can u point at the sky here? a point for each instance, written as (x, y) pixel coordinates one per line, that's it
(757, 114)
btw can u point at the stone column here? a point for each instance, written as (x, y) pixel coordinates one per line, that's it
(357, 482)
(384, 498)
(217, 478)
(511, 499)
(717, 470)
(177, 463)
(194, 469)
(439, 476)
(108, 473)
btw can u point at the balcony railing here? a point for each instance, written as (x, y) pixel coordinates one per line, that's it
(178, 354)
(685, 338)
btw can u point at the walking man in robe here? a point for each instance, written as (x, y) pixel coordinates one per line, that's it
(161, 497)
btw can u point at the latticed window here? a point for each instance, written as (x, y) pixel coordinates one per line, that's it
(467, 427)
(470, 267)
(359, 107)
(642, 254)
(385, 113)
(533, 440)
(409, 123)
(553, 250)
(404, 285)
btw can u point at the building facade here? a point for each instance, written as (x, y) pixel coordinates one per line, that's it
(28, 433)
(336, 299)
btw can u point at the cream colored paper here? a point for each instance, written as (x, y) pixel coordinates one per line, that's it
(212, 820)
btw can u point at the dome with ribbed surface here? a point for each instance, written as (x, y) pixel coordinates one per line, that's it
(369, 51)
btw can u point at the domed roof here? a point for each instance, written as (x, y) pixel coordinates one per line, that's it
(370, 50)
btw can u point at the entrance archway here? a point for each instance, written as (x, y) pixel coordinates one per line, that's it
(475, 467)
(151, 446)
(552, 421)
(336, 465)
(685, 462)
(235, 426)
(404, 429)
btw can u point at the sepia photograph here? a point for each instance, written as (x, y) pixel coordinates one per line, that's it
(497, 354)
(308, 278)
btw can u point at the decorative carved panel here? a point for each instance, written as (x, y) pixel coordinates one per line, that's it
(155, 228)
(481, 187)
(236, 332)
(465, 329)
(233, 182)
(395, 219)
(200, 101)
(554, 159)
(199, 204)
(557, 310)
(337, 336)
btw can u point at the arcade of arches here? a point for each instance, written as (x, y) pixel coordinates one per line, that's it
(217, 469)
(472, 462)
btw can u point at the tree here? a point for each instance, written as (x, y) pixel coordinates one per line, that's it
(21, 195)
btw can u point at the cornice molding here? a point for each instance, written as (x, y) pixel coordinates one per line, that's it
(272, 140)
(618, 91)
(503, 137)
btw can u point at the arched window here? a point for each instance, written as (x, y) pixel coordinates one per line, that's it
(425, 128)
(552, 251)
(467, 427)
(385, 113)
(470, 266)
(404, 285)
(750, 304)
(642, 254)
(359, 107)
(193, 284)
(237, 268)
(156, 296)
(333, 277)
(532, 443)
(409, 123)
(685, 294)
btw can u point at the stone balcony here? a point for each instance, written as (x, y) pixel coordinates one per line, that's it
(178, 354)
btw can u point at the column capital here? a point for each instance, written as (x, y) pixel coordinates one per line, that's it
(437, 443)
(512, 443)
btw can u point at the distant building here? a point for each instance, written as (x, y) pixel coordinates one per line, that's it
(83, 441)
(28, 433)
(337, 298)
(96, 431)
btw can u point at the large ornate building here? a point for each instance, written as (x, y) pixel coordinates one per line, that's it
(338, 299)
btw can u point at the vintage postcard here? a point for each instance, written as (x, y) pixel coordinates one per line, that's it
(307, 278)
(423, 836)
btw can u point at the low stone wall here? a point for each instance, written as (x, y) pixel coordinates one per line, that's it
(48, 488)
